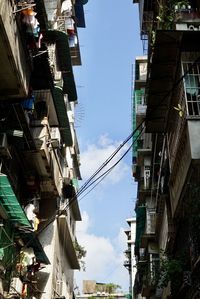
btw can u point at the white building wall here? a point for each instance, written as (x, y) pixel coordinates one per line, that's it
(47, 239)
(133, 261)
(61, 276)
(131, 242)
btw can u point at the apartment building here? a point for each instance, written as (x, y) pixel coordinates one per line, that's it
(168, 246)
(130, 262)
(39, 153)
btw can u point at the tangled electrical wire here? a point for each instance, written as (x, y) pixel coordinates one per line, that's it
(96, 177)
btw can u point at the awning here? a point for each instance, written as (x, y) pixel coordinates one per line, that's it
(67, 242)
(41, 76)
(63, 57)
(74, 202)
(140, 226)
(69, 86)
(31, 240)
(61, 111)
(11, 205)
(17, 216)
(69, 191)
(79, 13)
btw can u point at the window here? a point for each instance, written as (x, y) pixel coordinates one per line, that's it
(140, 96)
(192, 86)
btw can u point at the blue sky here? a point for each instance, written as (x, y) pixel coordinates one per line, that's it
(108, 44)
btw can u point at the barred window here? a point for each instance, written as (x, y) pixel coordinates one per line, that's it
(192, 87)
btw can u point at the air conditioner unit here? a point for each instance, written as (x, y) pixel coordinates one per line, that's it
(4, 151)
(16, 286)
(55, 137)
(181, 27)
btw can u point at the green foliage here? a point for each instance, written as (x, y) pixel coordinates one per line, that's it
(169, 269)
(167, 13)
(109, 288)
(81, 253)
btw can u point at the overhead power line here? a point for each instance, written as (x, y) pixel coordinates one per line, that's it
(103, 175)
(90, 182)
(87, 183)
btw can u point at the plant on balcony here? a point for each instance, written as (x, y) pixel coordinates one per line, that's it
(167, 13)
(165, 17)
(170, 270)
(81, 253)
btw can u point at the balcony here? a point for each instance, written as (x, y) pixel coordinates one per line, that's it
(66, 24)
(150, 228)
(185, 170)
(14, 71)
(162, 77)
(140, 106)
(68, 241)
(44, 159)
(144, 189)
(186, 18)
(150, 279)
(70, 201)
(127, 264)
(144, 149)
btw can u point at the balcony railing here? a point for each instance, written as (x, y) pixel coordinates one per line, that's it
(186, 19)
(127, 264)
(180, 18)
(151, 222)
(49, 162)
(150, 228)
(150, 279)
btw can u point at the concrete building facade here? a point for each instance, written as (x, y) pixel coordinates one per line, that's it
(130, 262)
(39, 152)
(167, 213)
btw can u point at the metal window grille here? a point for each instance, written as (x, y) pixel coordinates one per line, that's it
(150, 221)
(192, 87)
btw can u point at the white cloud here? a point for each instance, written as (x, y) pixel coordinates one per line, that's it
(96, 154)
(121, 240)
(82, 227)
(104, 259)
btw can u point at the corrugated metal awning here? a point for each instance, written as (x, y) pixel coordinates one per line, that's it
(17, 217)
(62, 115)
(63, 57)
(31, 240)
(140, 225)
(79, 12)
(10, 203)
